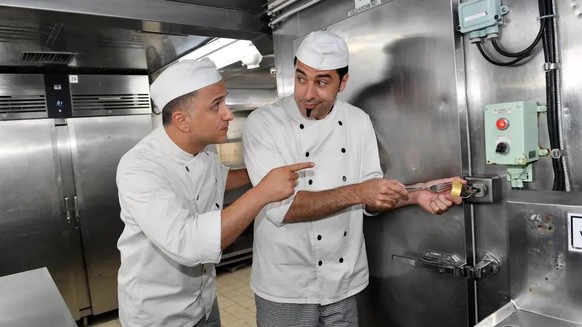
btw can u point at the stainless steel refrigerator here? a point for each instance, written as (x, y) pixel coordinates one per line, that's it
(61, 138)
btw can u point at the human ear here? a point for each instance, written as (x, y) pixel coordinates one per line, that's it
(344, 82)
(181, 120)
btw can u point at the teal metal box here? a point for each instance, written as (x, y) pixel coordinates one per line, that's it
(511, 133)
(480, 18)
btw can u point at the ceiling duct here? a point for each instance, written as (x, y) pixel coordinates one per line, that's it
(114, 37)
(47, 57)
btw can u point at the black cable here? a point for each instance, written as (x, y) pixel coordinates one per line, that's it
(497, 63)
(521, 54)
(525, 52)
(549, 46)
(559, 177)
(546, 34)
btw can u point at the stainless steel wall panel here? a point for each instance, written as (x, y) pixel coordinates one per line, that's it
(402, 73)
(34, 232)
(571, 33)
(545, 275)
(98, 144)
(486, 84)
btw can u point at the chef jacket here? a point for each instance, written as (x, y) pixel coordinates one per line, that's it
(171, 205)
(322, 261)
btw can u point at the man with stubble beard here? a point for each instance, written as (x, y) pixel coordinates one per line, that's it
(309, 256)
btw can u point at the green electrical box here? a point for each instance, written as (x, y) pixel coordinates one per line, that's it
(481, 18)
(511, 138)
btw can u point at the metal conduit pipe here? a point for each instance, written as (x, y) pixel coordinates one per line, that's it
(281, 7)
(560, 109)
(274, 4)
(293, 11)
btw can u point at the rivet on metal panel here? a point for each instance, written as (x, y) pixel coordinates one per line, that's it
(535, 217)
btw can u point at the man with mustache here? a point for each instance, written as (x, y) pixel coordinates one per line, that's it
(309, 256)
(171, 187)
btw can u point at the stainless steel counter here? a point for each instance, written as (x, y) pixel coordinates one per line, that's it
(511, 316)
(31, 298)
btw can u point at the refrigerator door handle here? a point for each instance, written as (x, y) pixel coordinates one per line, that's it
(449, 264)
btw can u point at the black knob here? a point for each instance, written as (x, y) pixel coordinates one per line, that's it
(502, 148)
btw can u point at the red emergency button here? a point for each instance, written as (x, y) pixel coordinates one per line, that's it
(502, 124)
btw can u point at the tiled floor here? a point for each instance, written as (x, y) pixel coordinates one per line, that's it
(235, 299)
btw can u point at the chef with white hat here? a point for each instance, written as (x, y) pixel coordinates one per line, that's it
(171, 187)
(309, 256)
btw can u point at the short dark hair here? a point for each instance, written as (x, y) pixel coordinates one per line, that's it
(340, 71)
(176, 104)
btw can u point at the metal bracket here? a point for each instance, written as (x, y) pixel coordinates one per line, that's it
(449, 264)
(557, 153)
(551, 66)
(489, 188)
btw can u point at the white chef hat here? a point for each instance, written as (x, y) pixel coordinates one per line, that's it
(182, 78)
(323, 50)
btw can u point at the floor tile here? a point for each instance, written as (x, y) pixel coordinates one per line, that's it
(235, 300)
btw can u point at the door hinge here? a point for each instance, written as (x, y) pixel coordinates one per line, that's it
(449, 264)
(72, 211)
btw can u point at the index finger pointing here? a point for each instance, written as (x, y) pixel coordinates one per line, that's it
(300, 166)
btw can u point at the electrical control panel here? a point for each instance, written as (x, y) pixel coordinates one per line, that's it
(511, 138)
(58, 95)
(511, 133)
(481, 18)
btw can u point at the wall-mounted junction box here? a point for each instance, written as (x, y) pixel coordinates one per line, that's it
(481, 18)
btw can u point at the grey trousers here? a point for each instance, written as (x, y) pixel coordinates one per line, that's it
(340, 314)
(213, 319)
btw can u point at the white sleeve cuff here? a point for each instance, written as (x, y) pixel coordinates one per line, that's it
(369, 214)
(209, 233)
(277, 211)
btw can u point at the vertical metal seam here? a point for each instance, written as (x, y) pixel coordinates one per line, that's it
(560, 108)
(466, 165)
